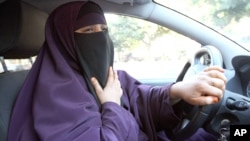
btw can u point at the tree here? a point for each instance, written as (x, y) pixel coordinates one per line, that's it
(224, 12)
(128, 33)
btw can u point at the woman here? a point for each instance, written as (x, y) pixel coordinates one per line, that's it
(72, 93)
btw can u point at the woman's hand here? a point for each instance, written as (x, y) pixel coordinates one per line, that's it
(112, 92)
(204, 88)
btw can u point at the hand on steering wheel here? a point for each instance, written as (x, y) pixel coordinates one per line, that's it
(207, 87)
(203, 84)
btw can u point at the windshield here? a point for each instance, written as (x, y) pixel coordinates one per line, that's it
(229, 17)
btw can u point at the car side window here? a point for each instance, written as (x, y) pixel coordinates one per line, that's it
(148, 51)
(15, 64)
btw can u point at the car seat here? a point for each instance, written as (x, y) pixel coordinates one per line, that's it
(22, 34)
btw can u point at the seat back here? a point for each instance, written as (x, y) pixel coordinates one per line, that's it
(8, 92)
(22, 35)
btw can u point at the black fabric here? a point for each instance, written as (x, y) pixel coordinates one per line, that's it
(89, 7)
(96, 55)
(89, 14)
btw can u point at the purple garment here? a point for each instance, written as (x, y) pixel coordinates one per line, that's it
(55, 104)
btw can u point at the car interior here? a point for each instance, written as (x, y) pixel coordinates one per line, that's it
(22, 35)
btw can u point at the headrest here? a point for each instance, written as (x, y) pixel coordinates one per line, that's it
(22, 29)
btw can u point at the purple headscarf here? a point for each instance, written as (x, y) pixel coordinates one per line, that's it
(90, 14)
(57, 68)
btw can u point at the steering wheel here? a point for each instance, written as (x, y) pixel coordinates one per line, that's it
(194, 117)
(232, 109)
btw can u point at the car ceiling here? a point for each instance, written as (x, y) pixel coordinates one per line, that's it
(49, 5)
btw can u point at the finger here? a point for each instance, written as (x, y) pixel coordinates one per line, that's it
(115, 74)
(110, 76)
(111, 72)
(116, 80)
(219, 83)
(96, 85)
(212, 91)
(205, 100)
(217, 74)
(218, 68)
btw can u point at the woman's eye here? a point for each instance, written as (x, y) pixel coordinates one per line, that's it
(104, 28)
(89, 30)
(92, 29)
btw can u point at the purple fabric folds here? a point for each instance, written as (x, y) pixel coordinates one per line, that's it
(55, 104)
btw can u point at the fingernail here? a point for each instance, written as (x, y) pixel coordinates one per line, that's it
(215, 99)
(92, 79)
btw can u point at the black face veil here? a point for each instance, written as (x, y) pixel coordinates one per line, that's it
(95, 50)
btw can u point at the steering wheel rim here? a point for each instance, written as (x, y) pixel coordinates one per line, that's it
(194, 117)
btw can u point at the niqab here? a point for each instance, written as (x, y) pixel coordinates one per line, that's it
(95, 50)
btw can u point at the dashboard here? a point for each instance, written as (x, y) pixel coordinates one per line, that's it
(241, 65)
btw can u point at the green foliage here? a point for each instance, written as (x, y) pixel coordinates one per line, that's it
(224, 11)
(129, 33)
(125, 32)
